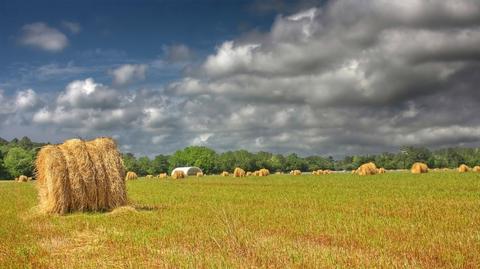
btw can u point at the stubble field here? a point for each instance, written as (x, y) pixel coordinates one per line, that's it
(340, 220)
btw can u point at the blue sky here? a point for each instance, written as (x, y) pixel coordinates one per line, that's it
(309, 76)
(117, 32)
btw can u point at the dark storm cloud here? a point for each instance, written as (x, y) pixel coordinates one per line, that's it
(351, 76)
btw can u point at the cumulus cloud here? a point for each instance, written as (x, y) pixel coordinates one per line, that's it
(346, 77)
(128, 72)
(41, 36)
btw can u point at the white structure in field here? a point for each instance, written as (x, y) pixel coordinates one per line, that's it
(188, 171)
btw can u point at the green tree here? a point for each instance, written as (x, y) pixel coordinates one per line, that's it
(144, 166)
(130, 163)
(159, 164)
(199, 156)
(19, 161)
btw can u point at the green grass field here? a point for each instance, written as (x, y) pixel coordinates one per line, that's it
(341, 220)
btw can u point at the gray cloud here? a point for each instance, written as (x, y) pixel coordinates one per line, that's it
(128, 73)
(352, 76)
(40, 35)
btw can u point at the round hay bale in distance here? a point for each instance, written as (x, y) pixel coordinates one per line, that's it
(463, 168)
(178, 174)
(162, 175)
(367, 169)
(225, 174)
(199, 174)
(131, 175)
(476, 169)
(22, 178)
(419, 168)
(238, 172)
(263, 172)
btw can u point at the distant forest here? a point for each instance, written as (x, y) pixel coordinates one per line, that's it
(18, 155)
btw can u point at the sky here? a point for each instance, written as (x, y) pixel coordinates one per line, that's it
(313, 77)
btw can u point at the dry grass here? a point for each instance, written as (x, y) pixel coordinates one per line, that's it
(419, 168)
(80, 176)
(393, 220)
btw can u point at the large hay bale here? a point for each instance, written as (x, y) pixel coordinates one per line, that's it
(367, 169)
(256, 173)
(199, 174)
(249, 173)
(419, 168)
(263, 172)
(80, 176)
(131, 175)
(381, 170)
(178, 174)
(238, 172)
(463, 168)
(476, 169)
(225, 174)
(22, 178)
(163, 175)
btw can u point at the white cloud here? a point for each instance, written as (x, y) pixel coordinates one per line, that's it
(40, 35)
(128, 73)
(72, 27)
(27, 100)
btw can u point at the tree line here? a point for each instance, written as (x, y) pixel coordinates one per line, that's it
(17, 158)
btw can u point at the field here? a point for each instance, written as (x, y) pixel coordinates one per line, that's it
(341, 220)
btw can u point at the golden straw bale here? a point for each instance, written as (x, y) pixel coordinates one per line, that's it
(419, 168)
(178, 174)
(163, 175)
(476, 169)
(199, 174)
(256, 173)
(353, 172)
(463, 168)
(367, 169)
(263, 172)
(314, 173)
(22, 178)
(225, 174)
(238, 172)
(327, 172)
(249, 173)
(295, 172)
(80, 176)
(131, 175)
(381, 170)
